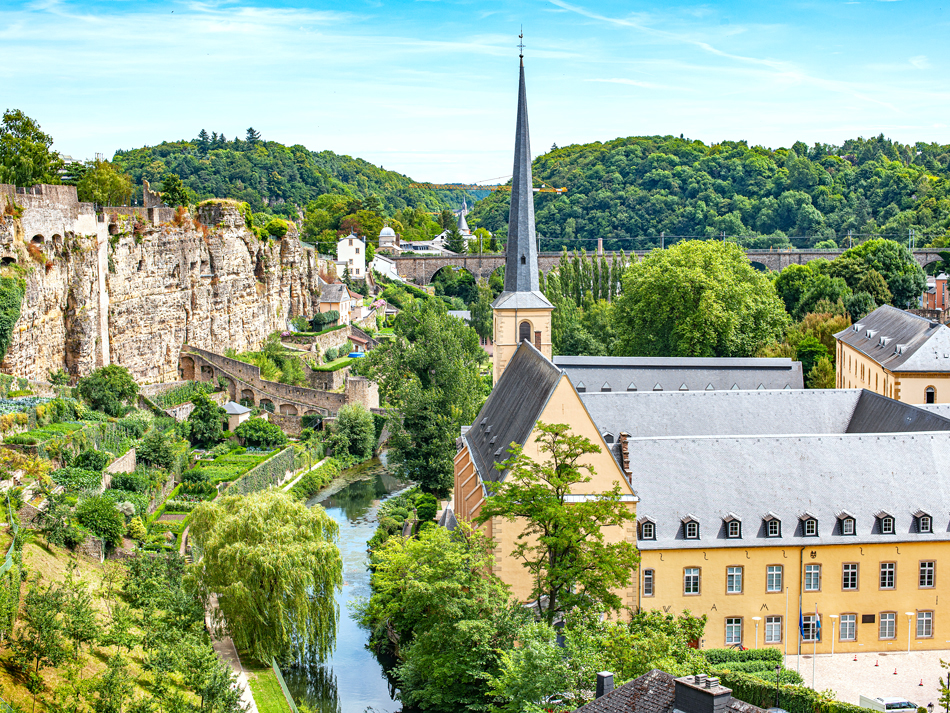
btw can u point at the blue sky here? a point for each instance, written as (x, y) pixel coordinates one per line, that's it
(428, 87)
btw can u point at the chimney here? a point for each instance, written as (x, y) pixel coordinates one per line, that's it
(701, 694)
(605, 683)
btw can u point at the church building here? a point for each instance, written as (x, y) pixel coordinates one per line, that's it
(758, 507)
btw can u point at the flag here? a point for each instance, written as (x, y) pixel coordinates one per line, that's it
(801, 623)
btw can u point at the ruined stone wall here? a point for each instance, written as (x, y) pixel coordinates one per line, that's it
(134, 297)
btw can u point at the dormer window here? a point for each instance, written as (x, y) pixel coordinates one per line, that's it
(648, 530)
(605, 387)
(691, 527)
(684, 387)
(608, 437)
(847, 526)
(657, 387)
(809, 525)
(631, 386)
(581, 387)
(710, 387)
(885, 522)
(733, 527)
(773, 526)
(925, 523)
(857, 327)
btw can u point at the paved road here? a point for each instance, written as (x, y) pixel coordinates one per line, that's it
(873, 675)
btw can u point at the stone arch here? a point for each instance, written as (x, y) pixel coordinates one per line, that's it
(58, 241)
(311, 412)
(524, 331)
(761, 267)
(186, 367)
(38, 240)
(8, 261)
(288, 410)
(267, 405)
(232, 387)
(247, 397)
(207, 373)
(931, 268)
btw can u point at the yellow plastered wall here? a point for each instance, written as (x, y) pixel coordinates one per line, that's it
(668, 567)
(506, 325)
(855, 370)
(564, 406)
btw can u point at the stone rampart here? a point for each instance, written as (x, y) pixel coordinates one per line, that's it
(124, 464)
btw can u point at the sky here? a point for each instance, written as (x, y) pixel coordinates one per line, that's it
(428, 88)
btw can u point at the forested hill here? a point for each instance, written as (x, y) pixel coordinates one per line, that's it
(629, 191)
(275, 178)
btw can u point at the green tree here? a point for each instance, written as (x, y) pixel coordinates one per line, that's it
(429, 375)
(40, 641)
(276, 228)
(25, 156)
(204, 422)
(858, 305)
(562, 544)
(113, 689)
(482, 313)
(252, 136)
(354, 433)
(105, 184)
(275, 568)
(697, 299)
(872, 282)
(108, 389)
(809, 351)
(455, 242)
(173, 190)
(821, 375)
(156, 450)
(896, 264)
(449, 627)
(258, 433)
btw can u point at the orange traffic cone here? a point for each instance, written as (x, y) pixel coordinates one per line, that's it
(876, 663)
(895, 671)
(855, 657)
(921, 682)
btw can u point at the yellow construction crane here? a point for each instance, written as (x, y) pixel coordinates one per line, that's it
(474, 187)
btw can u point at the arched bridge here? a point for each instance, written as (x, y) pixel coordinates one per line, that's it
(421, 269)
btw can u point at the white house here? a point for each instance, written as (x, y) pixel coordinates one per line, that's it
(385, 267)
(351, 255)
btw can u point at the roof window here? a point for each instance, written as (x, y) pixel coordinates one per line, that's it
(735, 387)
(733, 526)
(885, 521)
(760, 387)
(647, 528)
(846, 523)
(857, 327)
(606, 387)
(925, 523)
(882, 342)
(690, 528)
(608, 437)
(581, 387)
(657, 387)
(773, 526)
(871, 332)
(631, 386)
(809, 524)
(710, 387)
(684, 387)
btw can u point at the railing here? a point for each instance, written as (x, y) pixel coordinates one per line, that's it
(283, 686)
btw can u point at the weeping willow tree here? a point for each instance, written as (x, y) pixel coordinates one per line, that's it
(274, 566)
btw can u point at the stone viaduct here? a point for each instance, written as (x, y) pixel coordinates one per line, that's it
(421, 269)
(291, 402)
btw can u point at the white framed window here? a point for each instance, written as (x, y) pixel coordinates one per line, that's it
(887, 574)
(848, 629)
(886, 629)
(925, 624)
(925, 523)
(811, 628)
(927, 579)
(692, 530)
(849, 576)
(773, 578)
(733, 580)
(648, 582)
(734, 529)
(774, 528)
(811, 527)
(648, 531)
(733, 630)
(691, 580)
(887, 526)
(847, 526)
(773, 630)
(812, 577)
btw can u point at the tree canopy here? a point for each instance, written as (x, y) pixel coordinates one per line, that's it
(698, 298)
(25, 156)
(109, 389)
(275, 567)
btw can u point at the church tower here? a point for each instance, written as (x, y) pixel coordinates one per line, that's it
(521, 312)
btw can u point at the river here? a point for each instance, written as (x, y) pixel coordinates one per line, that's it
(352, 680)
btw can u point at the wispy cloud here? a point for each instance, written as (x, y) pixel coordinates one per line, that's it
(920, 61)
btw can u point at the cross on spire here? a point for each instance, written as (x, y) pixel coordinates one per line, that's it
(521, 44)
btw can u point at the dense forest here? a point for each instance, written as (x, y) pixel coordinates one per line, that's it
(630, 191)
(275, 178)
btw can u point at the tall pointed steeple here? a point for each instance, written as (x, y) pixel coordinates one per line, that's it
(522, 312)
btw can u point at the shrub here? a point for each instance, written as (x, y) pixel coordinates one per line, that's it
(195, 475)
(136, 482)
(718, 656)
(91, 460)
(204, 423)
(137, 529)
(315, 480)
(321, 319)
(75, 479)
(277, 228)
(101, 517)
(426, 508)
(155, 450)
(134, 426)
(108, 388)
(258, 433)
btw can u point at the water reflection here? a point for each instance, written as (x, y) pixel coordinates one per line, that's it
(352, 681)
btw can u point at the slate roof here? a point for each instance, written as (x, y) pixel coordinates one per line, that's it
(680, 373)
(235, 409)
(335, 293)
(512, 409)
(448, 520)
(463, 314)
(900, 341)
(653, 692)
(522, 300)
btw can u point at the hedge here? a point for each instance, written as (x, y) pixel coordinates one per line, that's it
(335, 366)
(717, 656)
(268, 473)
(795, 699)
(315, 480)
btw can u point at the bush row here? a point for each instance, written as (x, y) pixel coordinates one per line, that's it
(315, 480)
(717, 656)
(794, 699)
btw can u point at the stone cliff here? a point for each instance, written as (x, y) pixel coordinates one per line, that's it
(130, 290)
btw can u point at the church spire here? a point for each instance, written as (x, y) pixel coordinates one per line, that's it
(521, 264)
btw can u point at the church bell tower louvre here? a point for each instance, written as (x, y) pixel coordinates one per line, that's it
(521, 312)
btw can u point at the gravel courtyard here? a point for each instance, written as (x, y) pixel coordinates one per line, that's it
(850, 678)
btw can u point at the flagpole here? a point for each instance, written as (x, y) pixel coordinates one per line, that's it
(800, 633)
(785, 659)
(814, 656)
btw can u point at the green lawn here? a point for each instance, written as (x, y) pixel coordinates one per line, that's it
(267, 693)
(334, 365)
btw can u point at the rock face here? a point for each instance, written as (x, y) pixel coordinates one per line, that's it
(130, 292)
